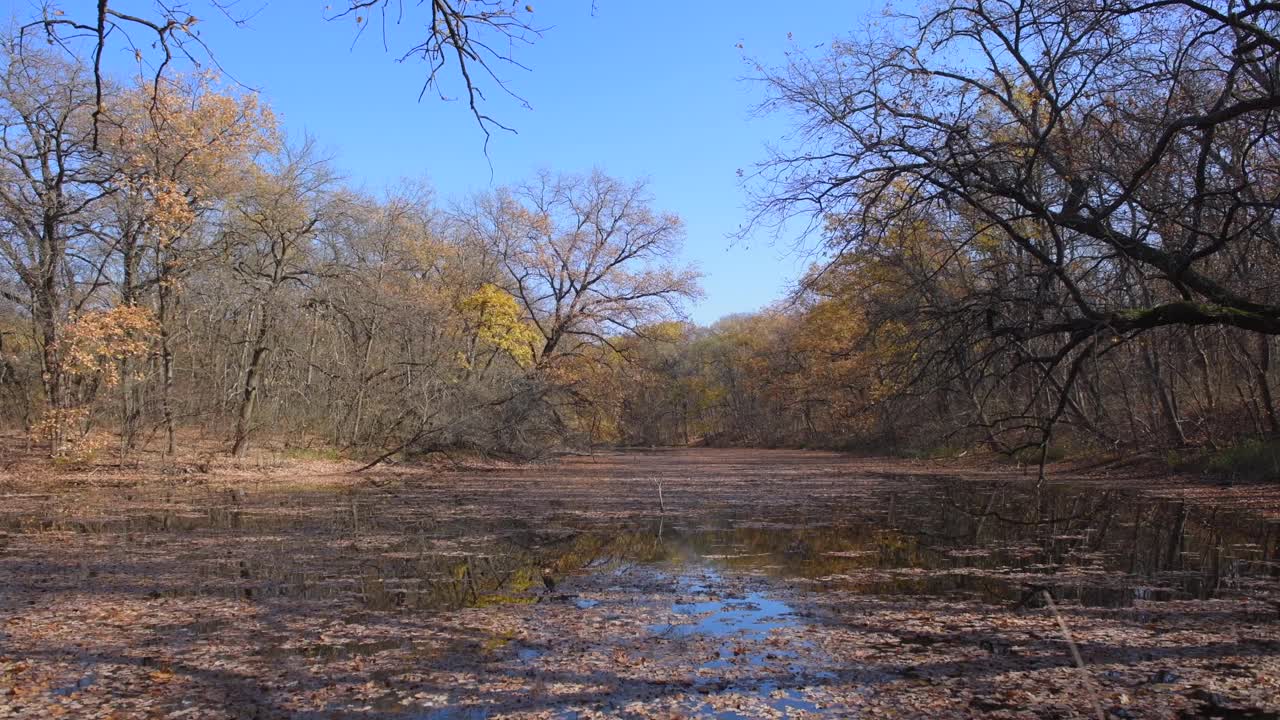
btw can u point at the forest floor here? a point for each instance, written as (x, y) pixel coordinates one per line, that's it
(670, 583)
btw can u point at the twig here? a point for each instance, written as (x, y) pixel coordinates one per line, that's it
(1075, 654)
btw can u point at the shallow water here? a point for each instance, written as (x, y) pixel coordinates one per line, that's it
(747, 616)
(729, 563)
(936, 537)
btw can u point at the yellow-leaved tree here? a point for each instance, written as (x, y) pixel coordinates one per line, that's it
(94, 346)
(494, 324)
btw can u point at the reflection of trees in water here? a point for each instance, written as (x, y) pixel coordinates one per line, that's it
(1079, 539)
(911, 537)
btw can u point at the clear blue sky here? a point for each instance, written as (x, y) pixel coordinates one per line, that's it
(641, 90)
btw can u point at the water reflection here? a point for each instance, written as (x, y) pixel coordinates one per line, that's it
(1001, 542)
(994, 542)
(750, 616)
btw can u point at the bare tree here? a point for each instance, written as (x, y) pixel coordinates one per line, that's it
(586, 255)
(473, 38)
(1067, 150)
(50, 181)
(269, 240)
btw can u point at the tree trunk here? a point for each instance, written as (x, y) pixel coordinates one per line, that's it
(166, 372)
(1168, 404)
(51, 369)
(1264, 382)
(249, 395)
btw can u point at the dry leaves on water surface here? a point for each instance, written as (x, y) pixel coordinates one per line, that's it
(83, 656)
(131, 601)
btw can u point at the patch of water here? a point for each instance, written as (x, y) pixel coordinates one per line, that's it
(781, 701)
(740, 624)
(75, 687)
(750, 616)
(336, 651)
(528, 653)
(941, 538)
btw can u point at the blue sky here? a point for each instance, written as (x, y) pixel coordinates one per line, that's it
(641, 90)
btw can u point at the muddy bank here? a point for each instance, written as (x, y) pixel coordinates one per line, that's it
(754, 584)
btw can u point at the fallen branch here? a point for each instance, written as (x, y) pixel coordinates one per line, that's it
(421, 434)
(1075, 654)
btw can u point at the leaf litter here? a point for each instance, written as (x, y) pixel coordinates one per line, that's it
(775, 584)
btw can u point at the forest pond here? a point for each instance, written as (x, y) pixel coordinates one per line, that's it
(697, 583)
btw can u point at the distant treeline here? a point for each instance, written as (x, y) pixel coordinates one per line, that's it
(1035, 226)
(1041, 224)
(172, 267)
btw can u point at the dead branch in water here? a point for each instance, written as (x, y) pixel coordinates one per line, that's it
(1075, 654)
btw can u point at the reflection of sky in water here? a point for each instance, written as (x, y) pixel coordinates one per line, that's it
(77, 686)
(742, 622)
(783, 701)
(526, 654)
(752, 617)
